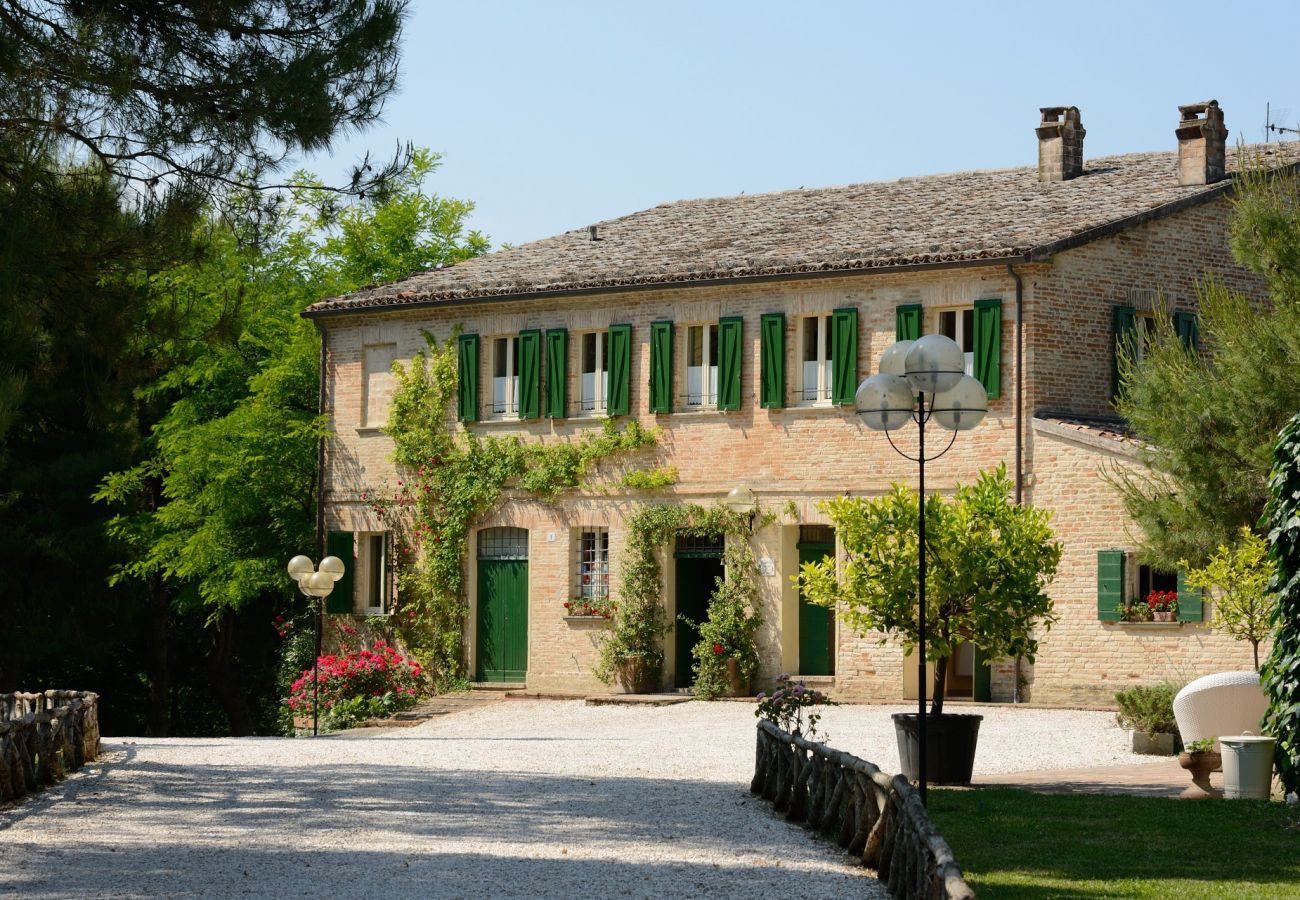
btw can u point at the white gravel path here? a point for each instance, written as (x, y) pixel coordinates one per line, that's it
(512, 799)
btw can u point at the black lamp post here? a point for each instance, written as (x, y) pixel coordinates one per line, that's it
(318, 584)
(920, 381)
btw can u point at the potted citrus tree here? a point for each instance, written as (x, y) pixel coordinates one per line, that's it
(989, 562)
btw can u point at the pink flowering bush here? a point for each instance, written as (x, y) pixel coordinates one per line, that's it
(358, 685)
(792, 707)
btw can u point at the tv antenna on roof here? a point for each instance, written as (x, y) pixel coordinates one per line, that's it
(1271, 128)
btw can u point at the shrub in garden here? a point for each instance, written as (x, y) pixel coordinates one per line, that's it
(1148, 708)
(358, 685)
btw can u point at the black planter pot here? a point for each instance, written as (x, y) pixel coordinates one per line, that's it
(949, 746)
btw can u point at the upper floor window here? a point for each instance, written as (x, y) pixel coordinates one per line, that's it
(594, 389)
(505, 377)
(1146, 331)
(701, 366)
(816, 355)
(377, 388)
(959, 324)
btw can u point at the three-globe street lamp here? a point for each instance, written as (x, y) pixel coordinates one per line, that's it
(918, 381)
(317, 583)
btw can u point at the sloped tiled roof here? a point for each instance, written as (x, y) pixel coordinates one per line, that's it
(1102, 433)
(937, 219)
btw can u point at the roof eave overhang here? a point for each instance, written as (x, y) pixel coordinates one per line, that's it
(765, 278)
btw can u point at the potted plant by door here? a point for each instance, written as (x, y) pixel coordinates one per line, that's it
(638, 673)
(989, 564)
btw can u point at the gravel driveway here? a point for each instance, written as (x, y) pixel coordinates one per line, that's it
(511, 799)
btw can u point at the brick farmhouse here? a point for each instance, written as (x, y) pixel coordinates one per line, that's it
(739, 327)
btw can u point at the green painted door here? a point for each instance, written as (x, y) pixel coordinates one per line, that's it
(696, 580)
(502, 621)
(816, 656)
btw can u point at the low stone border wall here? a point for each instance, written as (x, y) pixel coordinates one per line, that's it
(44, 736)
(878, 819)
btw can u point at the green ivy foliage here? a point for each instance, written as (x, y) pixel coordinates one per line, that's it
(989, 563)
(640, 621)
(1281, 671)
(452, 477)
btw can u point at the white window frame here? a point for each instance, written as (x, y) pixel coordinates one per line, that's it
(959, 331)
(823, 387)
(594, 569)
(707, 397)
(509, 406)
(600, 402)
(372, 567)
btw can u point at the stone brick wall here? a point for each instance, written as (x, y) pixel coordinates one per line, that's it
(1082, 659)
(1069, 338)
(796, 454)
(801, 456)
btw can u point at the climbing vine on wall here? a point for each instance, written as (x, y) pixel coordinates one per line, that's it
(1281, 671)
(451, 477)
(640, 621)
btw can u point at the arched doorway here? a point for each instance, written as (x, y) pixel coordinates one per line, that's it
(502, 622)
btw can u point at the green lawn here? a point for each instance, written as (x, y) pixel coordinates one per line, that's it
(1017, 844)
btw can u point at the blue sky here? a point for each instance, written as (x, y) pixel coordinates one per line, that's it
(556, 115)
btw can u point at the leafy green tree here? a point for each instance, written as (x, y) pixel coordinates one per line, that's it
(72, 311)
(989, 563)
(1281, 672)
(226, 493)
(1243, 604)
(1206, 420)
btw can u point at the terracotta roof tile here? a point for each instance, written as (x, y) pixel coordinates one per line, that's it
(954, 218)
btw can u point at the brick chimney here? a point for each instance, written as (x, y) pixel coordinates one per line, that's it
(1202, 141)
(1060, 144)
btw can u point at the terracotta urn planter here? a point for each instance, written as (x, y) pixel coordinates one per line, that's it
(636, 676)
(737, 685)
(1200, 765)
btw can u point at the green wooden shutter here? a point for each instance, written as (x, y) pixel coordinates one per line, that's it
(1189, 601)
(467, 378)
(772, 360)
(844, 361)
(339, 543)
(620, 369)
(1124, 330)
(907, 322)
(661, 367)
(530, 374)
(557, 373)
(988, 345)
(730, 353)
(1110, 584)
(1189, 330)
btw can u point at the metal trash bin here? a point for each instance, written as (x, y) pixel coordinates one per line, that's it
(1247, 766)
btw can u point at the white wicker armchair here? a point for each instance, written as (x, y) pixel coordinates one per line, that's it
(1225, 703)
